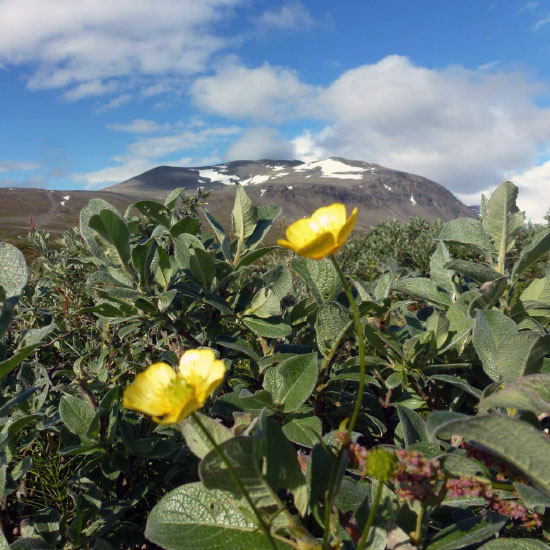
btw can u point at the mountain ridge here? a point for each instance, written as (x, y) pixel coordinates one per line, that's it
(298, 187)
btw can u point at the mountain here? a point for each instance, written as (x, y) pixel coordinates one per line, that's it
(299, 188)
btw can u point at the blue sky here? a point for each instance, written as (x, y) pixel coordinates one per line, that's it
(97, 91)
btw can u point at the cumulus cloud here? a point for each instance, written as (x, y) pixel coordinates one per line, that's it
(16, 165)
(89, 46)
(260, 143)
(265, 93)
(146, 153)
(291, 15)
(534, 191)
(465, 129)
(138, 126)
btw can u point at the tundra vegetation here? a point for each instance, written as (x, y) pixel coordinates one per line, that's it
(394, 393)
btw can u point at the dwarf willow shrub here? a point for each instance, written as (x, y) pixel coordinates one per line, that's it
(446, 447)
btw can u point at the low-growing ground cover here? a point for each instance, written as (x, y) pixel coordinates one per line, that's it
(396, 405)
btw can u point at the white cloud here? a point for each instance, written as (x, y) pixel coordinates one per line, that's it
(260, 143)
(534, 191)
(541, 23)
(291, 15)
(146, 153)
(85, 44)
(466, 129)
(113, 104)
(139, 126)
(264, 93)
(16, 165)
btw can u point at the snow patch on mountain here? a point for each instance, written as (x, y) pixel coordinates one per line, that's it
(331, 168)
(254, 180)
(217, 174)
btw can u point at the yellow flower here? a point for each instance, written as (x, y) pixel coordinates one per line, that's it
(322, 234)
(169, 397)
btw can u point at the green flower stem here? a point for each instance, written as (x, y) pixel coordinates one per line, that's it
(372, 514)
(331, 492)
(418, 530)
(361, 339)
(236, 479)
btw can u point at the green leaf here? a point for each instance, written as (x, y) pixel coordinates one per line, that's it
(332, 323)
(476, 271)
(13, 270)
(154, 212)
(113, 229)
(173, 196)
(228, 403)
(532, 252)
(458, 382)
(264, 304)
(142, 258)
(414, 430)
(467, 532)
(219, 232)
(266, 217)
(320, 276)
(520, 354)
(195, 438)
(29, 544)
(514, 544)
(251, 257)
(424, 289)
(244, 215)
(503, 220)
(76, 414)
(268, 328)
(439, 274)
(468, 232)
(191, 517)
(491, 328)
(279, 280)
(304, 430)
(439, 324)
(94, 207)
(516, 442)
(531, 497)
(3, 542)
(240, 453)
(182, 245)
(187, 224)
(283, 470)
(30, 342)
(292, 382)
(203, 267)
(489, 293)
(538, 290)
(46, 522)
(530, 393)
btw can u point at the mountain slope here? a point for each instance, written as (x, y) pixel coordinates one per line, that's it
(299, 188)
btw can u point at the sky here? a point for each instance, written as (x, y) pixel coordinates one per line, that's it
(95, 92)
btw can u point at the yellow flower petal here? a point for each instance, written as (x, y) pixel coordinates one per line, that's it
(169, 397)
(330, 218)
(301, 232)
(148, 393)
(319, 248)
(322, 234)
(347, 228)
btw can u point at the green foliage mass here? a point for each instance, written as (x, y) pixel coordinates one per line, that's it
(454, 411)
